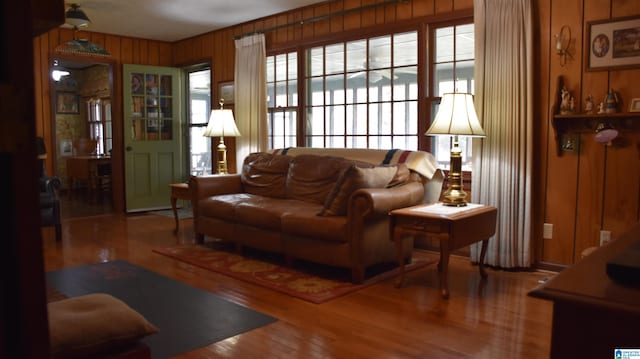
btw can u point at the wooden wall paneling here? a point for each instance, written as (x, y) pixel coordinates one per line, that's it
(390, 13)
(307, 28)
(112, 44)
(562, 172)
(98, 38)
(281, 34)
(321, 27)
(143, 50)
(347, 22)
(589, 203)
(135, 51)
(404, 11)
(622, 8)
(462, 4)
(443, 6)
(541, 130)
(126, 51)
(337, 23)
(423, 8)
(153, 53)
(621, 189)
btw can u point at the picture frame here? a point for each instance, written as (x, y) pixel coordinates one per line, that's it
(634, 106)
(226, 92)
(67, 103)
(66, 148)
(613, 44)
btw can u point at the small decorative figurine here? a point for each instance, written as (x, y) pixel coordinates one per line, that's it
(601, 107)
(611, 102)
(567, 104)
(588, 105)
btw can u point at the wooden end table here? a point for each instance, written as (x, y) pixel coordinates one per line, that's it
(178, 191)
(454, 227)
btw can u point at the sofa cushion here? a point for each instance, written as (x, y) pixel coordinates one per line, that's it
(352, 179)
(87, 325)
(265, 174)
(222, 206)
(312, 177)
(305, 223)
(266, 212)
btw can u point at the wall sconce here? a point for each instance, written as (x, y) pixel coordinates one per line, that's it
(563, 42)
(605, 133)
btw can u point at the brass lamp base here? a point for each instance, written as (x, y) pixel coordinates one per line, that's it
(454, 198)
(454, 195)
(222, 155)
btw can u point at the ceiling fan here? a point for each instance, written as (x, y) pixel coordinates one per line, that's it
(75, 18)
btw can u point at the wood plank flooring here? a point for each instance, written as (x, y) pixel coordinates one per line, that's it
(494, 319)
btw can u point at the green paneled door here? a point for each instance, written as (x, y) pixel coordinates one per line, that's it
(152, 139)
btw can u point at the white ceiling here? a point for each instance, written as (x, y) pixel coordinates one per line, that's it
(172, 20)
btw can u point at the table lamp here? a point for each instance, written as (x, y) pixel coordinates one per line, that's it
(456, 117)
(221, 123)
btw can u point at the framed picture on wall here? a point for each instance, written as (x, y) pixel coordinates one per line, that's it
(67, 102)
(226, 92)
(613, 44)
(66, 148)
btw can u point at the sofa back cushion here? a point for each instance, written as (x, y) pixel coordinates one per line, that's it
(265, 174)
(312, 177)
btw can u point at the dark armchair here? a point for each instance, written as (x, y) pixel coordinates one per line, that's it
(49, 200)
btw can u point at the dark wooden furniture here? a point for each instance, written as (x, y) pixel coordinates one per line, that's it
(178, 191)
(593, 315)
(90, 169)
(454, 227)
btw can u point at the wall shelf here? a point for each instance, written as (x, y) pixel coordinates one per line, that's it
(587, 123)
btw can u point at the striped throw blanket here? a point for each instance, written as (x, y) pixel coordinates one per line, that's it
(419, 161)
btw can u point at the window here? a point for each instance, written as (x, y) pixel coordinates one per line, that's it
(363, 93)
(199, 108)
(452, 67)
(282, 100)
(99, 121)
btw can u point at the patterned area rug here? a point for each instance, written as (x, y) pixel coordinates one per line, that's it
(311, 282)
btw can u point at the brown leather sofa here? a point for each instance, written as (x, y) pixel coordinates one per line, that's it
(321, 205)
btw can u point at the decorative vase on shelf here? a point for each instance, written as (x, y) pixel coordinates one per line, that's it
(611, 102)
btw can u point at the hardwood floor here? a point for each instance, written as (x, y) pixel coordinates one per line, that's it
(491, 320)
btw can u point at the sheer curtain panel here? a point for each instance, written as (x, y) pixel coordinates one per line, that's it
(250, 96)
(502, 174)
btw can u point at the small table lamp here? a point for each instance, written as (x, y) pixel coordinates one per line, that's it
(221, 123)
(456, 116)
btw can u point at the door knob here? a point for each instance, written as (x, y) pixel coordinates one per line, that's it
(129, 148)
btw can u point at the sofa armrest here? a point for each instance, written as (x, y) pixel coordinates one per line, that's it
(207, 186)
(369, 201)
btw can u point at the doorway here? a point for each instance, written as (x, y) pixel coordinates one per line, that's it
(83, 135)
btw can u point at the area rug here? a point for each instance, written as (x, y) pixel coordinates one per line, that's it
(185, 212)
(188, 318)
(311, 282)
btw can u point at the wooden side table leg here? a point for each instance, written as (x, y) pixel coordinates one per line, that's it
(483, 252)
(443, 266)
(174, 201)
(397, 238)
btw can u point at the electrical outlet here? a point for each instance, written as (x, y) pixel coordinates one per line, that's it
(605, 236)
(547, 231)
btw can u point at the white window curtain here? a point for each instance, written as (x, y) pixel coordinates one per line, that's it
(250, 96)
(502, 173)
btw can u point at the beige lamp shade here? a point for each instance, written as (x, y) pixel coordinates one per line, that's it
(456, 116)
(221, 123)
